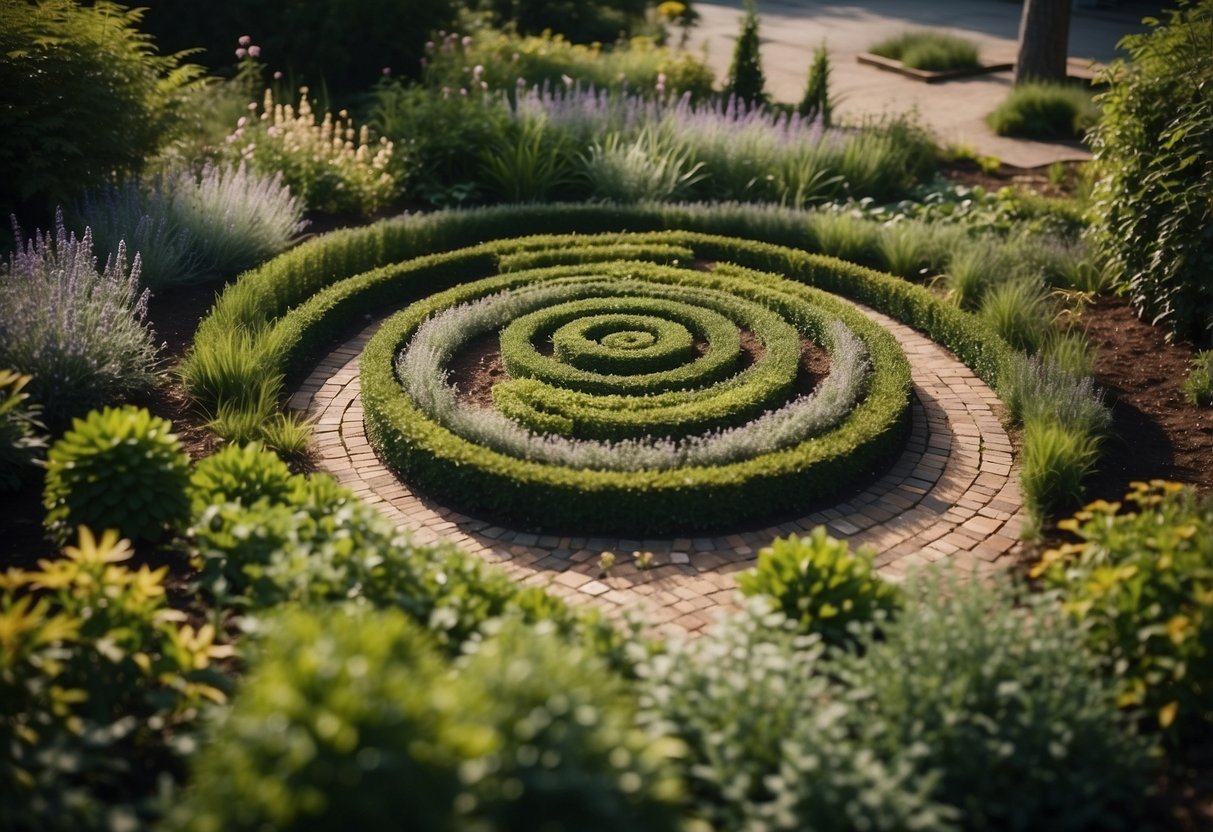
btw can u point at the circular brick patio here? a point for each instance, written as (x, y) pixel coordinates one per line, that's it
(952, 494)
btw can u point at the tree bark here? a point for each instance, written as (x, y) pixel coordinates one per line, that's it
(1044, 37)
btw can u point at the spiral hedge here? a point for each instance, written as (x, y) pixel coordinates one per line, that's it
(630, 402)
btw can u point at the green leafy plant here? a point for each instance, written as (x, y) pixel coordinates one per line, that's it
(746, 83)
(117, 468)
(1043, 110)
(337, 722)
(87, 97)
(22, 436)
(1152, 197)
(1140, 580)
(528, 165)
(239, 474)
(650, 167)
(1014, 309)
(819, 583)
(1199, 383)
(984, 685)
(100, 683)
(931, 51)
(769, 738)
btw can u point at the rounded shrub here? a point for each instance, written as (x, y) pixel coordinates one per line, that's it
(117, 468)
(980, 686)
(1140, 581)
(340, 722)
(567, 754)
(348, 716)
(239, 474)
(819, 583)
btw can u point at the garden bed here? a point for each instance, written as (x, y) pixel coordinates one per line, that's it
(926, 75)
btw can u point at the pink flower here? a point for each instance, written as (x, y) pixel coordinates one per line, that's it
(254, 51)
(241, 53)
(252, 106)
(245, 40)
(467, 41)
(240, 122)
(477, 71)
(387, 70)
(278, 75)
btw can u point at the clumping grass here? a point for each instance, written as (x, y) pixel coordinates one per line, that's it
(909, 249)
(1199, 384)
(1055, 460)
(974, 269)
(645, 168)
(1038, 110)
(1070, 350)
(930, 51)
(844, 236)
(1019, 311)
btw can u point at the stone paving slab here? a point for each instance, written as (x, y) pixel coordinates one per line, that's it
(953, 493)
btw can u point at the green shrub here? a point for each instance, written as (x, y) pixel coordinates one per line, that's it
(769, 741)
(86, 96)
(818, 583)
(981, 687)
(1141, 583)
(438, 139)
(22, 436)
(101, 686)
(117, 468)
(1043, 110)
(81, 334)
(566, 747)
(931, 51)
(239, 474)
(529, 164)
(339, 721)
(1152, 198)
(1199, 383)
(1038, 390)
(746, 84)
(1056, 459)
(349, 715)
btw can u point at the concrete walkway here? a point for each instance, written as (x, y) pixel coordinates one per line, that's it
(955, 110)
(952, 494)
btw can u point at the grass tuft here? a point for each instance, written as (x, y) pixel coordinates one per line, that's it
(929, 51)
(1038, 110)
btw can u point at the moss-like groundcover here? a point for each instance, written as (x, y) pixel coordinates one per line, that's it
(268, 327)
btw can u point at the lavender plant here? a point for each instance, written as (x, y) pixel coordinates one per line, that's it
(189, 226)
(81, 333)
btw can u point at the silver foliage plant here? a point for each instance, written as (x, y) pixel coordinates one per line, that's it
(421, 369)
(79, 331)
(191, 226)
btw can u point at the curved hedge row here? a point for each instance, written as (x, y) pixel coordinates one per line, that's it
(288, 311)
(543, 483)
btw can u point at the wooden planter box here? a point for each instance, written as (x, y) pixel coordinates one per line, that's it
(928, 76)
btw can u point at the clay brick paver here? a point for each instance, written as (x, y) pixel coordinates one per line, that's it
(953, 494)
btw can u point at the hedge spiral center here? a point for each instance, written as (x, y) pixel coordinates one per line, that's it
(633, 394)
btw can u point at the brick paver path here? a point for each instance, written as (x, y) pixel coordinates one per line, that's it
(952, 494)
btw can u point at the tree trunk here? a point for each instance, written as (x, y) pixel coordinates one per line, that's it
(1044, 37)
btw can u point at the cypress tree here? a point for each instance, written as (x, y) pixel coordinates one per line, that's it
(816, 102)
(746, 82)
